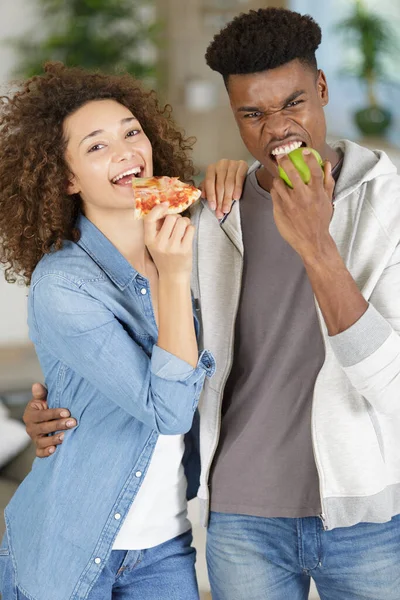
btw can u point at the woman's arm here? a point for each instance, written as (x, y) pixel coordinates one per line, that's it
(171, 247)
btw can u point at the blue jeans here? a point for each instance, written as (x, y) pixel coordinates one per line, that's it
(254, 558)
(165, 572)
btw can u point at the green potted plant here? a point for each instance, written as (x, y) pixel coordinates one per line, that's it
(109, 35)
(374, 39)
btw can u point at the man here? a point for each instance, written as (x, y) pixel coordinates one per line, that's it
(301, 422)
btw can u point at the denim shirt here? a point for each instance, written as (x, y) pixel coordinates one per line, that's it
(92, 322)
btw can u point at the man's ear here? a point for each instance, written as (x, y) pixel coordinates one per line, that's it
(322, 86)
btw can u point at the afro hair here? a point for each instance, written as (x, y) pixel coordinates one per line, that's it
(264, 39)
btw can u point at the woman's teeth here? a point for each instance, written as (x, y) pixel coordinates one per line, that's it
(135, 172)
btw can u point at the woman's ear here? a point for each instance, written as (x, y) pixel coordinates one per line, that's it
(72, 186)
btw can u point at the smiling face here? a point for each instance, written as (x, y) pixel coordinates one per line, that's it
(279, 110)
(106, 148)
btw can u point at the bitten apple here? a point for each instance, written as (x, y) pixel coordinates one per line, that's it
(297, 158)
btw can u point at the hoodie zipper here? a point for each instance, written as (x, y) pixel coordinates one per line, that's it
(322, 515)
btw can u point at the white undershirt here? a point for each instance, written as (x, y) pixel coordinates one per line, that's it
(159, 511)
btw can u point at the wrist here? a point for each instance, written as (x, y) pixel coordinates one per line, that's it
(175, 278)
(326, 255)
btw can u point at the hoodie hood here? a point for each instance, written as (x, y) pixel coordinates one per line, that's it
(360, 165)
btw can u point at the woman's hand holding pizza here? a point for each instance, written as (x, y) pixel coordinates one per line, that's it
(169, 239)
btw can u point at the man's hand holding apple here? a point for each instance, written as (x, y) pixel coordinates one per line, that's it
(302, 214)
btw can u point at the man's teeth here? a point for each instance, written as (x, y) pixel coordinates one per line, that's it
(135, 171)
(286, 149)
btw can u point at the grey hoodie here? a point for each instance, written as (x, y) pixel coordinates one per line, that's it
(356, 403)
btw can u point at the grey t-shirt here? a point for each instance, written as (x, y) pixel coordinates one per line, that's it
(264, 465)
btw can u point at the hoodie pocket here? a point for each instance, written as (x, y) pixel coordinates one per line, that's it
(377, 429)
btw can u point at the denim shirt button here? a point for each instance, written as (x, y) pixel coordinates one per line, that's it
(117, 516)
(97, 561)
(138, 474)
(143, 291)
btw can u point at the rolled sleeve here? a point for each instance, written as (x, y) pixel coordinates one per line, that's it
(369, 353)
(171, 368)
(369, 350)
(362, 339)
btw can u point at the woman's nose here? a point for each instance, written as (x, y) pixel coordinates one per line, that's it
(122, 151)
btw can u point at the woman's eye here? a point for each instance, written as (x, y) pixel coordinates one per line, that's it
(132, 132)
(96, 147)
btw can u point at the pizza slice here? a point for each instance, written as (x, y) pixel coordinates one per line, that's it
(149, 191)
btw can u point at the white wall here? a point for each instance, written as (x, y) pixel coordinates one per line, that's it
(346, 93)
(16, 17)
(13, 327)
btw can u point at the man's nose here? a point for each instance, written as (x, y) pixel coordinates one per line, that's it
(277, 125)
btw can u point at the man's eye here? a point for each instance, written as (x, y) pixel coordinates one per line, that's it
(132, 132)
(253, 115)
(294, 103)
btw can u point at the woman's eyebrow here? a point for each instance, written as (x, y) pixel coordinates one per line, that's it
(98, 131)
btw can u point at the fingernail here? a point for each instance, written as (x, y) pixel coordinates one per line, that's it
(213, 206)
(306, 151)
(51, 450)
(69, 423)
(61, 437)
(64, 413)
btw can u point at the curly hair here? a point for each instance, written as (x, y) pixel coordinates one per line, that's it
(36, 214)
(263, 39)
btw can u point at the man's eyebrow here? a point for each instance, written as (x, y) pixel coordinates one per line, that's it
(98, 131)
(249, 109)
(293, 96)
(287, 100)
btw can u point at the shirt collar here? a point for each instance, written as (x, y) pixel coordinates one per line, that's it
(105, 254)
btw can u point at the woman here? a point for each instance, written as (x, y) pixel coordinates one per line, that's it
(111, 317)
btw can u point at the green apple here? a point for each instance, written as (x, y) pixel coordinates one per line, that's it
(297, 158)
